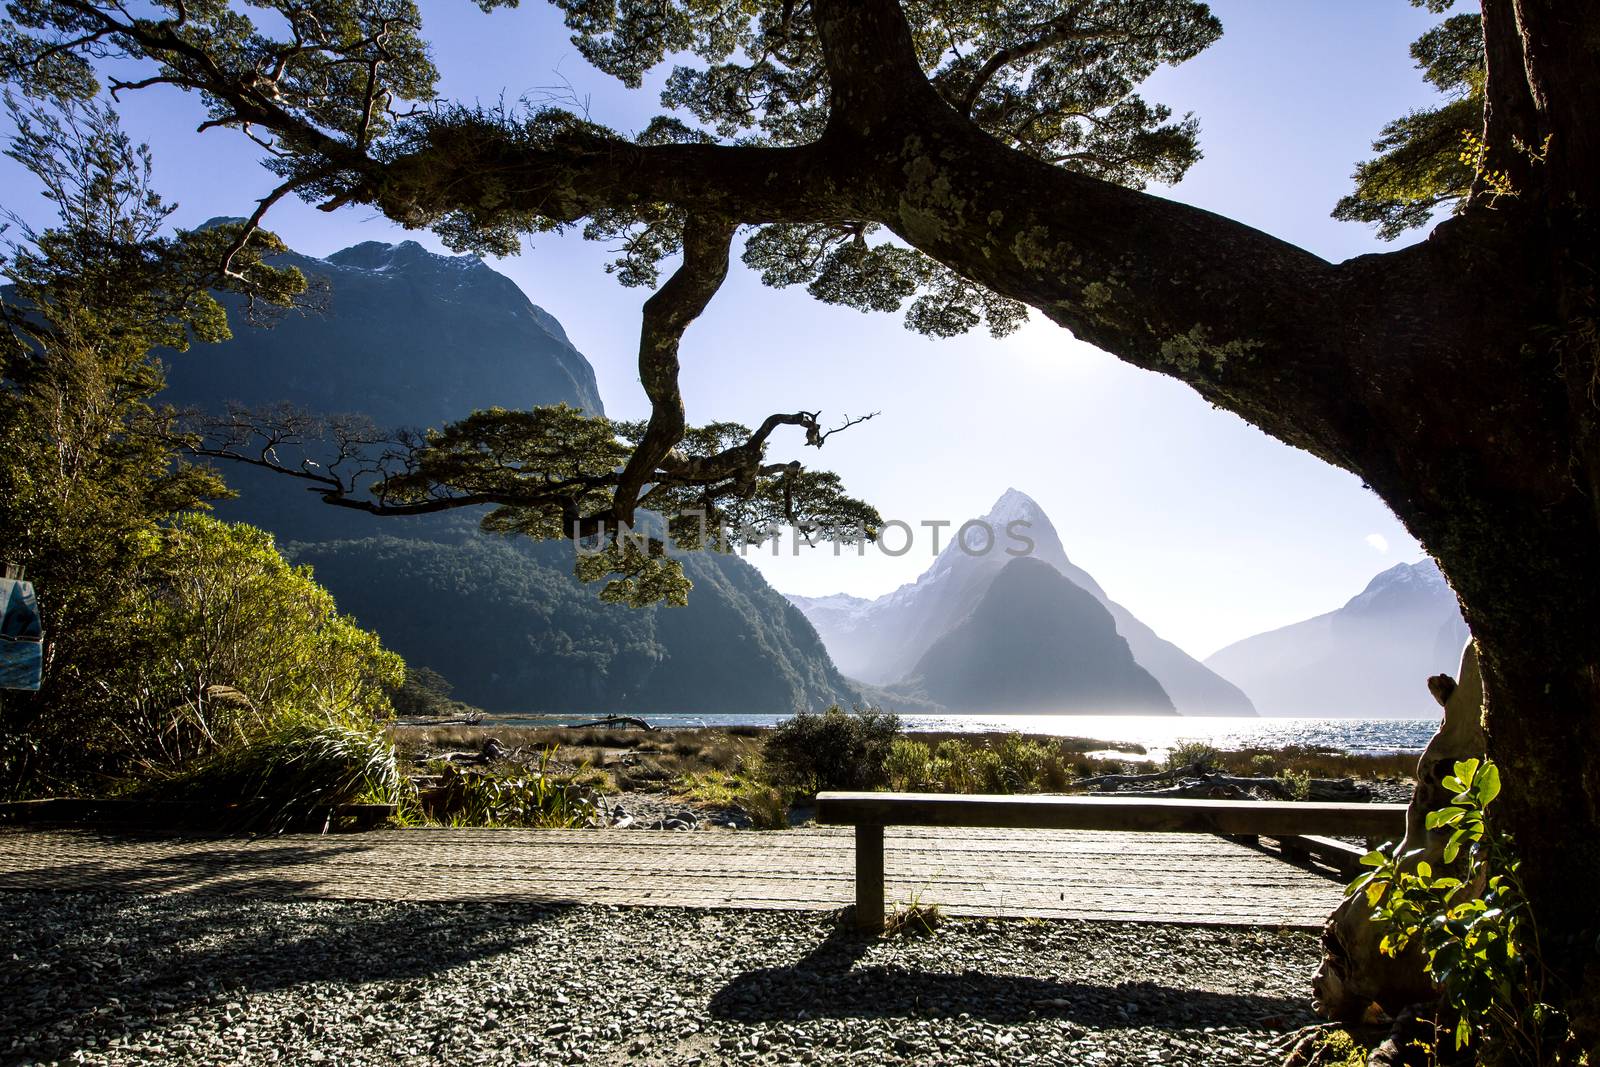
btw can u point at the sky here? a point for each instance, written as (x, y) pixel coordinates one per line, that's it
(1203, 526)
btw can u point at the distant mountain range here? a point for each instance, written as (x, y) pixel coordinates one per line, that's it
(1369, 659)
(417, 339)
(885, 642)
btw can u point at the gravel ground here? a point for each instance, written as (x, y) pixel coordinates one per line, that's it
(116, 978)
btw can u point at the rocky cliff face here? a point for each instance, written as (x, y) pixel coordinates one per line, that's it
(415, 339)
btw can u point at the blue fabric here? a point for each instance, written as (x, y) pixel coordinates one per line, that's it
(21, 650)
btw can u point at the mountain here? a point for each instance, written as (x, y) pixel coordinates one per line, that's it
(1368, 659)
(881, 641)
(1037, 642)
(505, 620)
(411, 338)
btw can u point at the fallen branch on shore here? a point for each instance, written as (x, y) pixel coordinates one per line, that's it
(468, 720)
(612, 720)
(1199, 781)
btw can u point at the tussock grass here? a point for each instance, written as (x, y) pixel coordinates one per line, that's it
(289, 774)
(913, 918)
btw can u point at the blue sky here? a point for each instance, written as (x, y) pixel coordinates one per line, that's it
(1203, 526)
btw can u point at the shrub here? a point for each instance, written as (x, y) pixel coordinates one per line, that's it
(953, 769)
(1191, 754)
(909, 765)
(1021, 764)
(1296, 784)
(291, 773)
(767, 806)
(834, 750)
(1261, 765)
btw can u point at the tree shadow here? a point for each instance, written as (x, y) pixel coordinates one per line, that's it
(104, 951)
(828, 982)
(101, 976)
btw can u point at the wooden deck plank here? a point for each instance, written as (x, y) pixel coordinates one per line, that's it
(1139, 877)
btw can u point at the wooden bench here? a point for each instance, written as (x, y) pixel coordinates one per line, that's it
(869, 813)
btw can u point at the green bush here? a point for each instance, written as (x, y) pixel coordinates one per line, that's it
(239, 637)
(834, 750)
(288, 774)
(766, 805)
(1022, 764)
(954, 767)
(1191, 754)
(909, 765)
(1296, 784)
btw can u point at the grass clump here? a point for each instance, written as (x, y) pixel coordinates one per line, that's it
(289, 774)
(1013, 764)
(834, 750)
(539, 798)
(747, 788)
(1192, 754)
(1297, 784)
(913, 918)
(1334, 1047)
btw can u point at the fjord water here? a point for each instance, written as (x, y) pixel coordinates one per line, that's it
(1157, 733)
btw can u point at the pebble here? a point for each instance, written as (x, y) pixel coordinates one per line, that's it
(185, 979)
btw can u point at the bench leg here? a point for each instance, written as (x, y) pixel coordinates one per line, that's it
(869, 877)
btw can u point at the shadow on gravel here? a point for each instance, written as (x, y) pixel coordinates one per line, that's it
(93, 966)
(827, 983)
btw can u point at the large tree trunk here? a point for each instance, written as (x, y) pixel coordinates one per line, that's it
(1541, 669)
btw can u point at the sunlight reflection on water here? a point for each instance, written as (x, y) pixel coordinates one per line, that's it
(1157, 733)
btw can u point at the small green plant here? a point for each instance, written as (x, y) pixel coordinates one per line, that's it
(1297, 784)
(1472, 924)
(909, 765)
(1262, 765)
(766, 805)
(913, 918)
(1336, 1048)
(1022, 764)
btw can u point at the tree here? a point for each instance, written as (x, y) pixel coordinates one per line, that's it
(83, 487)
(1002, 146)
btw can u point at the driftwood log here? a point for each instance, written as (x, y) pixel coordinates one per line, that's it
(1199, 781)
(612, 720)
(1355, 980)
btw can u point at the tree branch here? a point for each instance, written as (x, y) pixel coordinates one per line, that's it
(667, 315)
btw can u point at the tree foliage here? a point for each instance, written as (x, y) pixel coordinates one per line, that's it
(339, 94)
(144, 618)
(1426, 159)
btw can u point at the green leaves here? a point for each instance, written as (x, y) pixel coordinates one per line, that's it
(1419, 166)
(1471, 923)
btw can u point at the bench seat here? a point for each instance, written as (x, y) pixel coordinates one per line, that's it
(869, 813)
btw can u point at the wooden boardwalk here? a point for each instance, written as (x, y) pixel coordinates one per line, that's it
(1169, 878)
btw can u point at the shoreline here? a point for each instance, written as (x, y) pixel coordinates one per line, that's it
(695, 778)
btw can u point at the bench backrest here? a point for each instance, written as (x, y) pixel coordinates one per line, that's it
(1127, 813)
